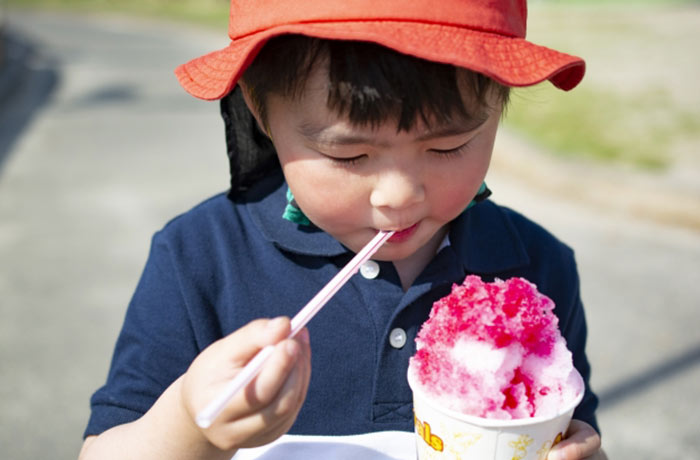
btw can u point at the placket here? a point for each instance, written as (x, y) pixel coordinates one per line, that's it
(392, 400)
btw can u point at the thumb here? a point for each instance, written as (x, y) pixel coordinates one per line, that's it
(242, 344)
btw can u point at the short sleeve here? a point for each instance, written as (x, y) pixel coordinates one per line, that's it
(155, 346)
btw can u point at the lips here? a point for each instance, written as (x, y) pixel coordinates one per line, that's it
(403, 235)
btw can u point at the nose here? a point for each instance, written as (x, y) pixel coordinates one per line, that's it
(397, 189)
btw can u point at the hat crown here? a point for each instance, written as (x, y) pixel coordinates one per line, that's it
(506, 17)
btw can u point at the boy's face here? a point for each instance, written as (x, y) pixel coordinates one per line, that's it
(352, 181)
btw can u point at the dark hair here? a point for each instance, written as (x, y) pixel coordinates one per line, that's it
(369, 83)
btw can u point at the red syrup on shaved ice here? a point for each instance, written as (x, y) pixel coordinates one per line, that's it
(494, 350)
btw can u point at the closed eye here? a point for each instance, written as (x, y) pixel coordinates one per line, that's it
(452, 152)
(346, 161)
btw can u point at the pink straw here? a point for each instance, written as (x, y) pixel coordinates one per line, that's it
(207, 415)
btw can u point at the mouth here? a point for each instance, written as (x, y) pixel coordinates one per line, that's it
(403, 235)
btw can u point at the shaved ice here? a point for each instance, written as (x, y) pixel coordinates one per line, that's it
(494, 350)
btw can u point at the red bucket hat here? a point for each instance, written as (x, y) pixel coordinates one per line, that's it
(486, 36)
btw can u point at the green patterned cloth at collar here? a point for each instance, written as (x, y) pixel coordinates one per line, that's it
(292, 212)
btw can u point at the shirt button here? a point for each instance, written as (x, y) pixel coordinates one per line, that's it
(397, 338)
(369, 269)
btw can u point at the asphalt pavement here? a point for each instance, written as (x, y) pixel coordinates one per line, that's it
(99, 147)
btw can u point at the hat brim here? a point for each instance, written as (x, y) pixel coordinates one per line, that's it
(511, 61)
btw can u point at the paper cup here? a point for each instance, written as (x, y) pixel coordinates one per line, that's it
(446, 434)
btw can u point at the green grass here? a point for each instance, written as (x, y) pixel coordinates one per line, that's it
(602, 125)
(212, 13)
(649, 123)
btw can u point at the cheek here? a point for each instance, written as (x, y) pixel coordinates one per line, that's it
(453, 190)
(451, 201)
(326, 194)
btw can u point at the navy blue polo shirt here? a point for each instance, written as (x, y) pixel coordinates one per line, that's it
(225, 263)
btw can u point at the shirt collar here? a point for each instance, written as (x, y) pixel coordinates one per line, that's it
(266, 202)
(483, 237)
(486, 240)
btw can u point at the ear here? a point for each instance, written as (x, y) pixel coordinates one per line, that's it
(248, 98)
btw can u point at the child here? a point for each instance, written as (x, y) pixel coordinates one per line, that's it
(346, 117)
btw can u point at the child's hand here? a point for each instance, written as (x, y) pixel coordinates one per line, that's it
(267, 407)
(581, 442)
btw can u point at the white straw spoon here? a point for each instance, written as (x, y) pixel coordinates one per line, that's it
(207, 415)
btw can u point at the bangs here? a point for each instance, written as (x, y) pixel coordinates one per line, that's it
(370, 84)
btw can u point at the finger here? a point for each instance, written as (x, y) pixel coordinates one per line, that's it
(275, 379)
(280, 414)
(257, 393)
(271, 421)
(292, 394)
(581, 441)
(245, 342)
(273, 375)
(281, 386)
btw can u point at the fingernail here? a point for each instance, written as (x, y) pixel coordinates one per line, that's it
(304, 335)
(275, 323)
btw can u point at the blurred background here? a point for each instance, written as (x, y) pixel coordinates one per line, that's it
(99, 147)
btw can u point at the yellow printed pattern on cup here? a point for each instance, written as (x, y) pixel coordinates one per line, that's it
(440, 441)
(547, 446)
(453, 445)
(520, 446)
(423, 431)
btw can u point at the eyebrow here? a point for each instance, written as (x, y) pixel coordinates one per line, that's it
(315, 132)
